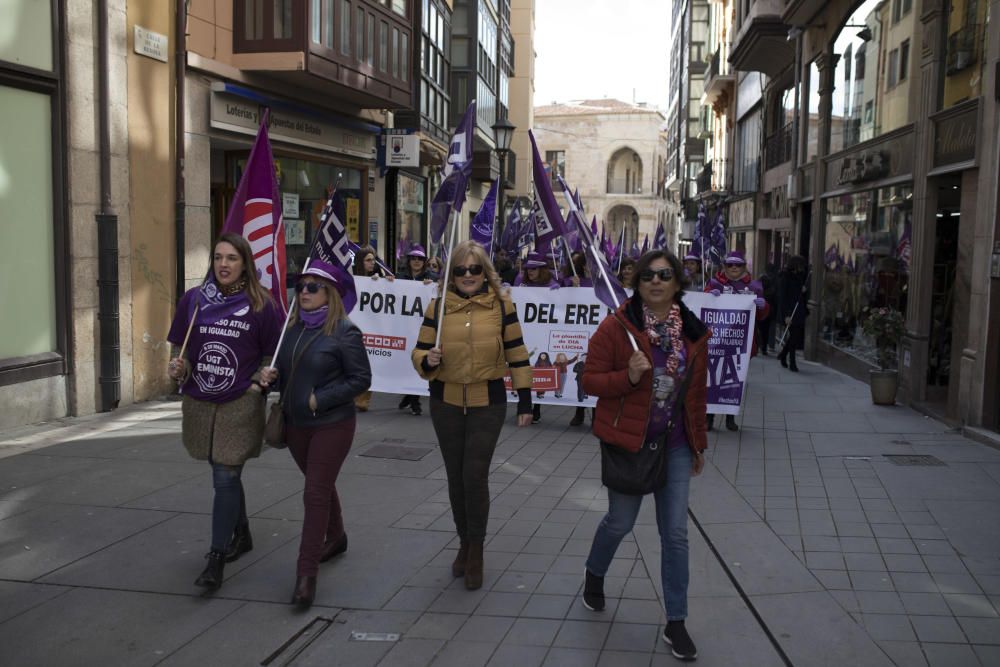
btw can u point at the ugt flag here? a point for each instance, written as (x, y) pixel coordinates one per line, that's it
(456, 172)
(255, 214)
(660, 239)
(481, 229)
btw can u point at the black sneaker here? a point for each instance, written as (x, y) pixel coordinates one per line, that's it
(593, 592)
(731, 423)
(404, 403)
(415, 408)
(677, 637)
(536, 414)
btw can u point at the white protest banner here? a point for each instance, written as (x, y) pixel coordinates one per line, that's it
(389, 314)
(731, 318)
(557, 326)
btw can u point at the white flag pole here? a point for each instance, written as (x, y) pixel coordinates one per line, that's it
(621, 248)
(447, 276)
(569, 253)
(600, 266)
(284, 327)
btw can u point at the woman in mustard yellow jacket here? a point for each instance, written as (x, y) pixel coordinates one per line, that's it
(480, 340)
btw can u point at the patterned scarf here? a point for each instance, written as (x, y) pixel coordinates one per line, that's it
(666, 335)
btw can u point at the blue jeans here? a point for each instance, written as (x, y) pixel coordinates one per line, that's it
(671, 519)
(229, 507)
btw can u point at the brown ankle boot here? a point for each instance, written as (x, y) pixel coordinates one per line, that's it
(474, 566)
(458, 567)
(305, 591)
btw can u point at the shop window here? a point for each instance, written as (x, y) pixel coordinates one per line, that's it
(866, 264)
(29, 322)
(411, 226)
(309, 180)
(26, 33)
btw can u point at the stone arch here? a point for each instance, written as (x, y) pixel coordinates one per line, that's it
(625, 172)
(619, 215)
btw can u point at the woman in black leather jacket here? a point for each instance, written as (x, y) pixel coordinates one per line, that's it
(321, 368)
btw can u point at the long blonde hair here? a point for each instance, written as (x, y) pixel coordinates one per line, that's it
(255, 291)
(334, 313)
(463, 250)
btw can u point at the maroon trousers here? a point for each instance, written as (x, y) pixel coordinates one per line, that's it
(319, 453)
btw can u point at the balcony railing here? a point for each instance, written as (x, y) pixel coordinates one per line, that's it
(778, 147)
(962, 49)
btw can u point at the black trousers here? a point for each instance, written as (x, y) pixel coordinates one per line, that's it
(467, 439)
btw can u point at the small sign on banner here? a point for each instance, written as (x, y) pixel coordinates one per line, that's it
(572, 342)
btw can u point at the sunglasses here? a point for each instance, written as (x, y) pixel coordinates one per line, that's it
(474, 270)
(666, 275)
(312, 288)
(736, 263)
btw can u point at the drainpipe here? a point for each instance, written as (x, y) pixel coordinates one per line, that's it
(107, 233)
(180, 68)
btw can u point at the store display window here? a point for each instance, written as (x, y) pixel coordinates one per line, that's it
(866, 264)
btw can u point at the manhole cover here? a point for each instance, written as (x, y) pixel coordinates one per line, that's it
(914, 460)
(399, 452)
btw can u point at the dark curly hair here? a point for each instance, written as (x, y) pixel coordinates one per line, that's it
(675, 265)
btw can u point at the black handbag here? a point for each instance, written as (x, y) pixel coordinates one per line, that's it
(645, 471)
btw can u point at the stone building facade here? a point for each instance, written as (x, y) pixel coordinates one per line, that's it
(615, 153)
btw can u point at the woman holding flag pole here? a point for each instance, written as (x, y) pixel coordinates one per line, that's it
(470, 337)
(218, 365)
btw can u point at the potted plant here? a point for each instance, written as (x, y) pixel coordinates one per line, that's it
(885, 326)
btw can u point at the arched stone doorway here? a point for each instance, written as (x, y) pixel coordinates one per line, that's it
(619, 217)
(625, 172)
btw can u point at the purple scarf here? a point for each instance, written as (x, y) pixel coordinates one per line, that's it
(313, 319)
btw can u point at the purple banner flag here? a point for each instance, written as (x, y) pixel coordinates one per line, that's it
(549, 224)
(660, 239)
(456, 172)
(333, 246)
(645, 246)
(481, 228)
(255, 214)
(508, 240)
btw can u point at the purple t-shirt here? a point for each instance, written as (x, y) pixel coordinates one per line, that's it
(227, 344)
(660, 410)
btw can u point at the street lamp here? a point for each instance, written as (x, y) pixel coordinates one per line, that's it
(503, 134)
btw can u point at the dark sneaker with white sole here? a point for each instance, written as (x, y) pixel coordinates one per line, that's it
(593, 592)
(677, 637)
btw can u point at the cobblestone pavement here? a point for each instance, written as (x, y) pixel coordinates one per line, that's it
(810, 545)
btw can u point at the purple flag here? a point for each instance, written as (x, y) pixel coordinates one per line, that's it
(456, 172)
(717, 238)
(508, 240)
(660, 239)
(645, 246)
(527, 232)
(402, 249)
(333, 246)
(481, 228)
(607, 289)
(548, 218)
(633, 252)
(255, 214)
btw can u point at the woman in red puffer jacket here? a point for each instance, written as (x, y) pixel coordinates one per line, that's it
(637, 407)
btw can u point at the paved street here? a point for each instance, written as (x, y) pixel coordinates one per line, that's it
(809, 546)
